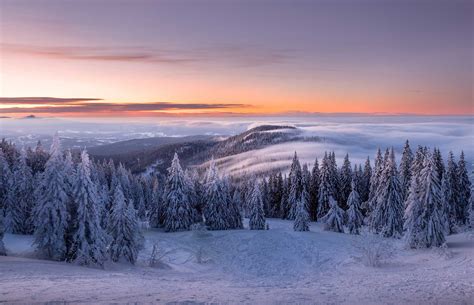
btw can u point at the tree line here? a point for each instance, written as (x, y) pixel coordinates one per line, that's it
(86, 212)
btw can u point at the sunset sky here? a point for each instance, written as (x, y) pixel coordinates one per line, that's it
(147, 58)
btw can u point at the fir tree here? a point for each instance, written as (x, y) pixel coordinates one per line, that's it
(365, 181)
(439, 164)
(177, 204)
(257, 215)
(156, 210)
(301, 222)
(314, 191)
(216, 213)
(464, 195)
(3, 251)
(374, 182)
(345, 181)
(284, 206)
(50, 212)
(195, 192)
(295, 186)
(12, 209)
(124, 230)
(89, 241)
(405, 170)
(334, 219)
(327, 186)
(138, 198)
(451, 192)
(354, 214)
(425, 220)
(22, 195)
(387, 218)
(276, 189)
(237, 206)
(37, 159)
(5, 178)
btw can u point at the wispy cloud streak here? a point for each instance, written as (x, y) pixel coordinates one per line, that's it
(45, 100)
(83, 105)
(235, 55)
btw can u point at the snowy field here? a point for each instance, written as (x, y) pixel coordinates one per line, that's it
(278, 266)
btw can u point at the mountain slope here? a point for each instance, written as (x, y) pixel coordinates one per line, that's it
(141, 154)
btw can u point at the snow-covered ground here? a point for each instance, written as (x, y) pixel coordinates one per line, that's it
(277, 266)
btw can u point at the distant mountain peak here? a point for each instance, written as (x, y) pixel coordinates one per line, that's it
(31, 116)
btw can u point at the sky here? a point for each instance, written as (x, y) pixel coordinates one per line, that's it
(205, 57)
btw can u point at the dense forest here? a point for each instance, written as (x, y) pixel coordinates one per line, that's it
(88, 211)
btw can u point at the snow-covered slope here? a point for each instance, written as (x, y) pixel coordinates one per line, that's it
(277, 266)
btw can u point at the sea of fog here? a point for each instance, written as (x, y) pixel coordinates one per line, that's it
(358, 135)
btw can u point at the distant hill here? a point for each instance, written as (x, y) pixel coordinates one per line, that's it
(141, 154)
(31, 116)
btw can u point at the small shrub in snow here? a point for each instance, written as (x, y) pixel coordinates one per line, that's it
(157, 257)
(200, 230)
(373, 252)
(202, 256)
(444, 252)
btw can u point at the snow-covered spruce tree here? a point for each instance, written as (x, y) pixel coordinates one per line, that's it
(70, 175)
(22, 191)
(138, 197)
(2, 230)
(314, 191)
(305, 181)
(237, 205)
(233, 207)
(464, 196)
(425, 219)
(195, 192)
(295, 178)
(365, 181)
(50, 212)
(354, 214)
(123, 177)
(374, 182)
(147, 186)
(257, 215)
(335, 218)
(37, 159)
(156, 214)
(345, 179)
(405, 170)
(413, 222)
(89, 241)
(276, 192)
(124, 230)
(216, 212)
(387, 218)
(439, 163)
(5, 178)
(450, 188)
(177, 204)
(13, 211)
(471, 210)
(301, 222)
(265, 195)
(284, 206)
(327, 186)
